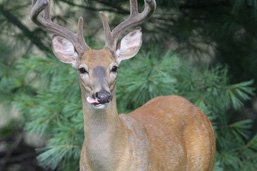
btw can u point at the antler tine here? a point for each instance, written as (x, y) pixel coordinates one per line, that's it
(133, 7)
(107, 30)
(77, 39)
(47, 13)
(135, 18)
(80, 36)
(33, 2)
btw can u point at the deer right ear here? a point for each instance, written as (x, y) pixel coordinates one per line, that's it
(64, 50)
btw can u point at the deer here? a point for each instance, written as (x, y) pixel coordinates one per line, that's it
(167, 133)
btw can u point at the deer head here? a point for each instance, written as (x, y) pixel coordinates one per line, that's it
(97, 69)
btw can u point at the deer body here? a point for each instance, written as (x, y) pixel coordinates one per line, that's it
(167, 133)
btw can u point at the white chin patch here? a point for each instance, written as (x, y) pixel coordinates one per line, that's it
(98, 106)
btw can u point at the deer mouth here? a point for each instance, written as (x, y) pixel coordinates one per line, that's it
(96, 104)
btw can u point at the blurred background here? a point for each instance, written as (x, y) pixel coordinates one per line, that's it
(203, 50)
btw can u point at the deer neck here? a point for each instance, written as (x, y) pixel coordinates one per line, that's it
(104, 134)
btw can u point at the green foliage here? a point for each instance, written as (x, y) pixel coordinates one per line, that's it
(46, 92)
(54, 111)
(53, 106)
(236, 148)
(144, 78)
(222, 29)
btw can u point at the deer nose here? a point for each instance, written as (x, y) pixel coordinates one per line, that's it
(103, 96)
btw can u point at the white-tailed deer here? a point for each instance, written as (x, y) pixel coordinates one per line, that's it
(167, 133)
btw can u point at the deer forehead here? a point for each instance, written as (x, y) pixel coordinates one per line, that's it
(93, 58)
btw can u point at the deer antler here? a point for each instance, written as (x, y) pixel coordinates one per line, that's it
(45, 22)
(135, 18)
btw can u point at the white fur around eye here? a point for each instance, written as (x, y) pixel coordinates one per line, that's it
(84, 76)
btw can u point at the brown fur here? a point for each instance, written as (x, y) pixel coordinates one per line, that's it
(94, 58)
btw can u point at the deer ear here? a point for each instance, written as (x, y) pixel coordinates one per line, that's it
(64, 50)
(129, 45)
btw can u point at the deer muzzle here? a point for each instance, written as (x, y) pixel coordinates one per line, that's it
(103, 96)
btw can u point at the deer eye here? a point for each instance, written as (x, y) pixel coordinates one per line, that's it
(114, 69)
(82, 70)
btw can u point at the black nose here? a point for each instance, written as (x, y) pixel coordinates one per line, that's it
(103, 96)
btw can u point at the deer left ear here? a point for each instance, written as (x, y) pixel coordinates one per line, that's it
(129, 45)
(64, 50)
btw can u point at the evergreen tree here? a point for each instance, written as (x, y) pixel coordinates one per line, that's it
(47, 94)
(54, 109)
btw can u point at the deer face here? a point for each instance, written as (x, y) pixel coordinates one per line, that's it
(97, 69)
(97, 74)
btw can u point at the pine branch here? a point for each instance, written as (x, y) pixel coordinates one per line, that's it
(149, 74)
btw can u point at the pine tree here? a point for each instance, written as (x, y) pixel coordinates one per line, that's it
(47, 93)
(54, 111)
